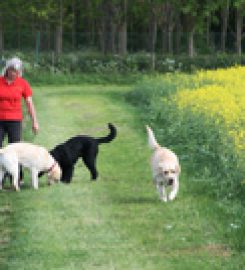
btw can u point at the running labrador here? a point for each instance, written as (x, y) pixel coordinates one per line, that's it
(165, 168)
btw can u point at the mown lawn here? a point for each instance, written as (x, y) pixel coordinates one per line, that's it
(118, 221)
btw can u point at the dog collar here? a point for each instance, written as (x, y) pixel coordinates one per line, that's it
(51, 168)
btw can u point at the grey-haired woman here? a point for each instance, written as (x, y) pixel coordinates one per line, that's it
(12, 89)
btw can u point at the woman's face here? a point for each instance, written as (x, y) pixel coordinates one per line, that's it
(11, 74)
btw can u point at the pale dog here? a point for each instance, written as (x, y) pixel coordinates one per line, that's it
(165, 168)
(35, 158)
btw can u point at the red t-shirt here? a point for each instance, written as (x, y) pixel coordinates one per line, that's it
(11, 96)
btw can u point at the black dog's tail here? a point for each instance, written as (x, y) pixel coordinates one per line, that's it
(110, 136)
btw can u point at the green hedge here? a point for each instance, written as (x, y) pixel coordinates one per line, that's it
(90, 62)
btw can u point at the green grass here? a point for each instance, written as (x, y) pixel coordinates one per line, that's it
(117, 222)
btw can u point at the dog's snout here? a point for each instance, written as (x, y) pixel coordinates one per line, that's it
(171, 181)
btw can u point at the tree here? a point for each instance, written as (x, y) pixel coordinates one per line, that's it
(167, 22)
(107, 26)
(190, 10)
(1, 32)
(110, 24)
(11, 11)
(240, 12)
(224, 24)
(121, 20)
(194, 15)
(59, 28)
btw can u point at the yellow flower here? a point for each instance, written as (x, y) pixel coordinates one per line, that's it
(221, 100)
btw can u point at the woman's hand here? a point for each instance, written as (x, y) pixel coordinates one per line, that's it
(35, 127)
(31, 110)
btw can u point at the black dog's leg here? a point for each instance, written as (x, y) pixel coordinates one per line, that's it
(90, 161)
(21, 175)
(67, 174)
(6, 177)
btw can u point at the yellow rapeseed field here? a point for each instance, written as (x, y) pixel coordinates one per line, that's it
(221, 99)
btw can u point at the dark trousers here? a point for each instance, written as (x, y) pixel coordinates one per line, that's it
(13, 130)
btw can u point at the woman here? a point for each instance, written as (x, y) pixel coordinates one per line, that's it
(12, 89)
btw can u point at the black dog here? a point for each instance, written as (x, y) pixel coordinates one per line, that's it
(81, 146)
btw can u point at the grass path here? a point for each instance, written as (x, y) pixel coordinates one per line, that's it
(118, 221)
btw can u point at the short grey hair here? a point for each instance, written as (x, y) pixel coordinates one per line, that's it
(14, 63)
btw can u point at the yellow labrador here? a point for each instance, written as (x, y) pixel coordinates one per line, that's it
(165, 168)
(35, 158)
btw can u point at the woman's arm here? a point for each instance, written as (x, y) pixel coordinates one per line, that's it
(32, 113)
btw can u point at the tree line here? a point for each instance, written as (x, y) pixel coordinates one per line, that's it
(115, 26)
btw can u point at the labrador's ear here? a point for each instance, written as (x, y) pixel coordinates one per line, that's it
(55, 174)
(178, 168)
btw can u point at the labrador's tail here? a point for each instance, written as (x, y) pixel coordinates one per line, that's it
(151, 139)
